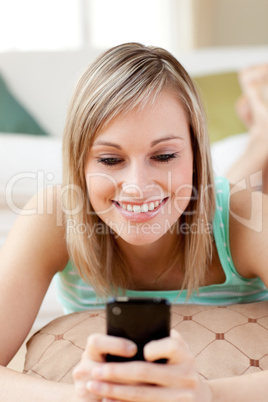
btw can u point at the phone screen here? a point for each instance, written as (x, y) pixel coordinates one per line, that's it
(138, 319)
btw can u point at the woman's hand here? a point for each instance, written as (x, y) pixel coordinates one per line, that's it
(177, 380)
(93, 357)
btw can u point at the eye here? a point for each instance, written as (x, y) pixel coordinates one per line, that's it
(111, 161)
(165, 158)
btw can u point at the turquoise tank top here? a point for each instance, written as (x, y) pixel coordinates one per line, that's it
(75, 294)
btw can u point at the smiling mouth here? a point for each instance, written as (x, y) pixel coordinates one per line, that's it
(141, 208)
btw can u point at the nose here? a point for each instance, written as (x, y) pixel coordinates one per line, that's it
(137, 181)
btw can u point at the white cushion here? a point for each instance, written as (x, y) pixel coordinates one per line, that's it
(29, 163)
(227, 151)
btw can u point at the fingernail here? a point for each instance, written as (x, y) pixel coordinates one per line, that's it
(131, 347)
(89, 386)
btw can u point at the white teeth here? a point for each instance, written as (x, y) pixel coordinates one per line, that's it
(141, 208)
(136, 208)
(144, 208)
(151, 206)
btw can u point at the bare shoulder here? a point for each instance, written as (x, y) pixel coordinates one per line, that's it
(249, 231)
(38, 235)
(34, 251)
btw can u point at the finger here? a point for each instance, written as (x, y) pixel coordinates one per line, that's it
(81, 376)
(178, 376)
(139, 393)
(173, 348)
(82, 394)
(99, 345)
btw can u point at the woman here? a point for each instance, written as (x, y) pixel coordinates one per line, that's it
(143, 217)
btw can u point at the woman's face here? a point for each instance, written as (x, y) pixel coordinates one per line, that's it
(139, 170)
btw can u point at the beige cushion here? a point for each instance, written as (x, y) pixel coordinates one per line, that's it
(226, 341)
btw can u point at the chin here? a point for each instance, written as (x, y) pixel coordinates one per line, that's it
(138, 241)
(138, 238)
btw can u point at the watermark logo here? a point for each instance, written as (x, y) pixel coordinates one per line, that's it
(117, 229)
(254, 198)
(180, 197)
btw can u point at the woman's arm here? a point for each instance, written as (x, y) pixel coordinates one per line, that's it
(249, 232)
(249, 248)
(244, 388)
(34, 251)
(16, 387)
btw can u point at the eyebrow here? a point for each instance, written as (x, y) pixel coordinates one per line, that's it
(109, 144)
(170, 137)
(153, 143)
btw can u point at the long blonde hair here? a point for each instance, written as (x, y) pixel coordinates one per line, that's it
(124, 77)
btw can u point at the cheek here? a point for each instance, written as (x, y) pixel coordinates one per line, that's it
(101, 188)
(182, 198)
(182, 189)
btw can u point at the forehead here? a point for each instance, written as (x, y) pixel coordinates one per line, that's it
(165, 115)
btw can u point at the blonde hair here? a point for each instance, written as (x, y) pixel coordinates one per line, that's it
(124, 77)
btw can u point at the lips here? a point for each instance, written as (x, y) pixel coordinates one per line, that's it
(150, 206)
(142, 209)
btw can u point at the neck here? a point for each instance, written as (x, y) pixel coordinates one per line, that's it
(149, 262)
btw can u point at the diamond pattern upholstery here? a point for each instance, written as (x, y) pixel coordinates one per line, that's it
(225, 341)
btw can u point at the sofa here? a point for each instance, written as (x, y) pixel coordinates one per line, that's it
(39, 86)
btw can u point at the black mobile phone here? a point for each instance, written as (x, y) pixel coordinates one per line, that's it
(138, 319)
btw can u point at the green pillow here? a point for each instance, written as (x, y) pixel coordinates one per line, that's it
(219, 93)
(14, 118)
